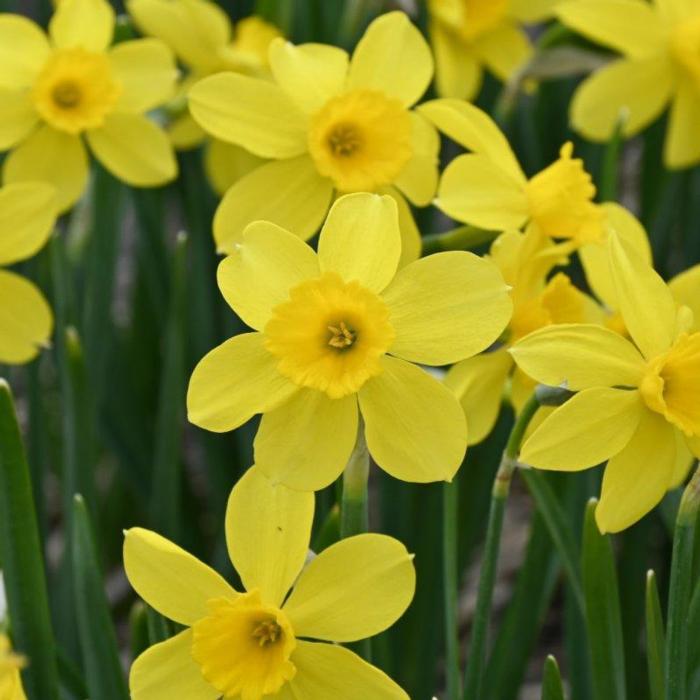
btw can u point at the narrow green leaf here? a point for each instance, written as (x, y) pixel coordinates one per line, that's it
(654, 639)
(158, 627)
(609, 172)
(451, 581)
(23, 565)
(552, 688)
(138, 629)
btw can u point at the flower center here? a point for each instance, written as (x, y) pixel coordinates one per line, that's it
(267, 632)
(330, 335)
(361, 140)
(76, 90)
(685, 47)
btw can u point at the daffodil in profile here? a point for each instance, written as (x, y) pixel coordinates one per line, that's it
(659, 68)
(61, 91)
(10, 666)
(330, 125)
(268, 641)
(337, 335)
(638, 400)
(27, 217)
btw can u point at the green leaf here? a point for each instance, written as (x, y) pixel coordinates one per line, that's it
(23, 566)
(552, 688)
(654, 639)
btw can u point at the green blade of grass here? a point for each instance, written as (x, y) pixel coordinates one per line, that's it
(654, 638)
(552, 688)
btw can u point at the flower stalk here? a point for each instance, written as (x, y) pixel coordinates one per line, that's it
(354, 517)
(450, 556)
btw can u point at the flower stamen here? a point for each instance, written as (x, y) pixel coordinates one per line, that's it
(66, 95)
(342, 337)
(344, 140)
(267, 632)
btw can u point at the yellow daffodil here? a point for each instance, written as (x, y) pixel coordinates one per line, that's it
(267, 641)
(27, 217)
(660, 66)
(10, 666)
(330, 125)
(202, 37)
(469, 36)
(340, 328)
(638, 404)
(57, 89)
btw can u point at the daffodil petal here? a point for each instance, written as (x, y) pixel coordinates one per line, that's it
(85, 24)
(504, 50)
(267, 531)
(591, 427)
(361, 240)
(186, 134)
(51, 156)
(310, 74)
(233, 382)
(25, 319)
(27, 216)
(533, 10)
(226, 163)
(579, 356)
(306, 442)
(447, 307)
(169, 579)
(646, 303)
(694, 445)
(18, 116)
(476, 191)
(457, 71)
(330, 671)
(261, 270)
(414, 425)
(411, 244)
(354, 589)
(685, 288)
(682, 148)
(289, 193)
(251, 112)
(23, 51)
(419, 178)
(684, 460)
(169, 665)
(394, 58)
(637, 478)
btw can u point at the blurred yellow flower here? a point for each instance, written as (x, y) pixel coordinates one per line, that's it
(10, 665)
(638, 404)
(343, 327)
(256, 643)
(54, 90)
(330, 125)
(27, 217)
(660, 67)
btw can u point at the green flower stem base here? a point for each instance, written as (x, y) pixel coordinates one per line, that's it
(461, 238)
(354, 517)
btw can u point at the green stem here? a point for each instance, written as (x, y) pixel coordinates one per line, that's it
(476, 661)
(460, 238)
(450, 505)
(354, 518)
(679, 592)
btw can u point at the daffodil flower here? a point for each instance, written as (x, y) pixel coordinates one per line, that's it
(10, 666)
(264, 641)
(27, 217)
(58, 90)
(660, 66)
(638, 404)
(343, 328)
(330, 125)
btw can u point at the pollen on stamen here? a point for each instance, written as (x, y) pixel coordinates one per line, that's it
(66, 95)
(342, 337)
(267, 632)
(344, 140)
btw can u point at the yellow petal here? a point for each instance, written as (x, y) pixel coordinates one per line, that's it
(263, 267)
(628, 26)
(684, 461)
(226, 163)
(54, 157)
(504, 50)
(474, 129)
(134, 149)
(394, 58)
(419, 177)
(644, 300)
(23, 51)
(476, 191)
(18, 116)
(147, 72)
(580, 356)
(593, 426)
(25, 319)
(185, 134)
(533, 10)
(27, 217)
(253, 113)
(361, 241)
(169, 665)
(355, 589)
(682, 145)
(233, 382)
(694, 445)
(170, 579)
(88, 24)
(310, 74)
(636, 89)
(457, 72)
(447, 307)
(685, 288)
(306, 442)
(478, 383)
(411, 244)
(415, 427)
(637, 478)
(289, 193)
(267, 531)
(328, 671)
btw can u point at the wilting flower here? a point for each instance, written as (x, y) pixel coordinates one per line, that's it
(638, 404)
(330, 125)
(58, 91)
(27, 217)
(469, 36)
(660, 67)
(343, 328)
(10, 665)
(259, 642)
